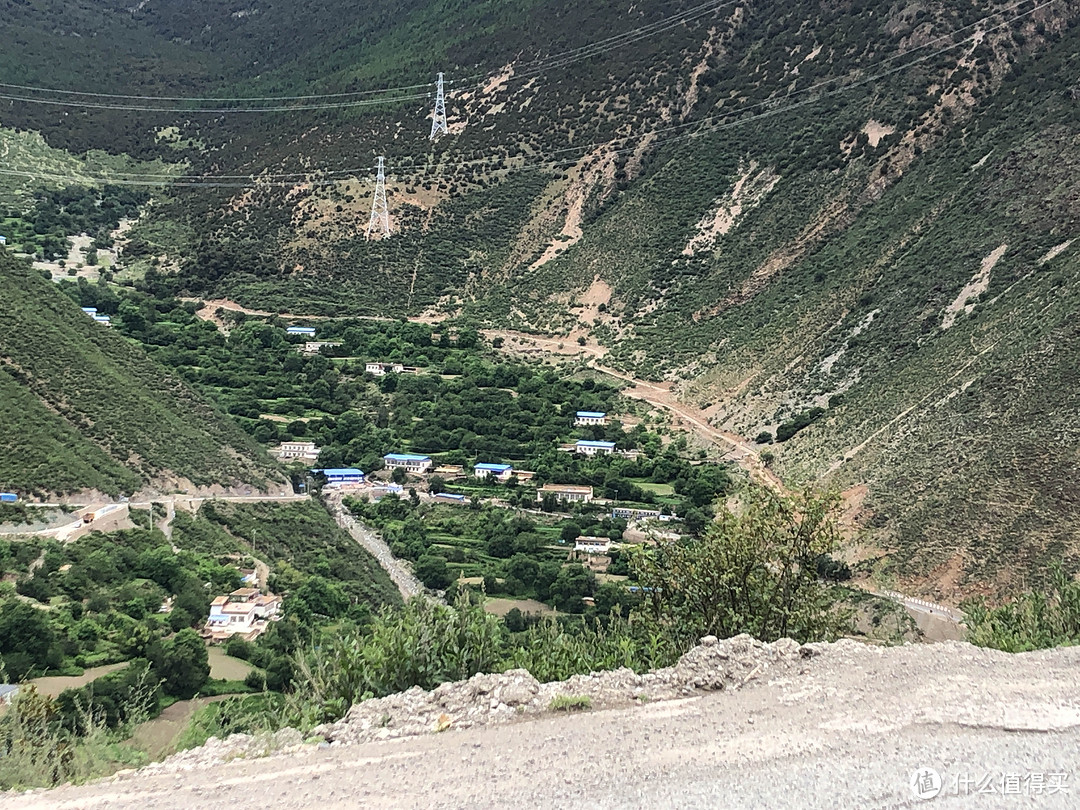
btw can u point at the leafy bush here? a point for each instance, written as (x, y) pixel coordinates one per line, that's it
(1034, 620)
(753, 571)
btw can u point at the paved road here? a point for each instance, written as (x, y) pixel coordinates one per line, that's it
(113, 516)
(848, 730)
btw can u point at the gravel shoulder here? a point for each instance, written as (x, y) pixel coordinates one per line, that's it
(830, 726)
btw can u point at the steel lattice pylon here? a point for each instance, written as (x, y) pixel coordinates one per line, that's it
(380, 213)
(438, 119)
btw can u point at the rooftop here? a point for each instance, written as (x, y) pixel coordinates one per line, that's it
(340, 472)
(607, 445)
(564, 488)
(494, 467)
(406, 457)
(591, 414)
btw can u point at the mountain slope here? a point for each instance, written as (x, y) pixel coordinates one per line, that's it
(855, 218)
(83, 408)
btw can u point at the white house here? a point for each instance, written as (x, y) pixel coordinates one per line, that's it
(500, 472)
(588, 448)
(315, 346)
(301, 331)
(592, 545)
(104, 320)
(381, 369)
(590, 418)
(243, 612)
(409, 462)
(566, 492)
(3, 240)
(303, 451)
(8, 692)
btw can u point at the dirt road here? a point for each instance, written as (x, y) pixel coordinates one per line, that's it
(738, 449)
(401, 575)
(846, 728)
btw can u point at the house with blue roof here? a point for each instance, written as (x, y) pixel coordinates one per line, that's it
(342, 475)
(411, 463)
(588, 448)
(300, 331)
(584, 418)
(500, 472)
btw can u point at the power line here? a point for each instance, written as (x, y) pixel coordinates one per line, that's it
(553, 61)
(582, 149)
(337, 105)
(320, 178)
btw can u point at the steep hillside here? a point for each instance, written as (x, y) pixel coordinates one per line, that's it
(83, 408)
(846, 225)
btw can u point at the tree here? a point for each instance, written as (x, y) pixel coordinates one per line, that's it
(398, 475)
(570, 532)
(436, 484)
(26, 640)
(514, 620)
(431, 569)
(185, 664)
(323, 598)
(753, 571)
(523, 568)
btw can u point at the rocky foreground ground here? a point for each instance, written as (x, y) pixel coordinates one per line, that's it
(734, 724)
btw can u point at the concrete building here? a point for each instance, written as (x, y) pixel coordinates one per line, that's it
(629, 513)
(588, 448)
(449, 496)
(381, 369)
(316, 346)
(500, 472)
(244, 612)
(300, 331)
(566, 493)
(298, 451)
(592, 545)
(342, 475)
(418, 465)
(584, 418)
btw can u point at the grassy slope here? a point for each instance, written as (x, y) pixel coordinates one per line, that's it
(900, 247)
(306, 536)
(966, 437)
(88, 409)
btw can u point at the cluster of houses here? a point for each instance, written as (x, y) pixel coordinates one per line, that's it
(245, 612)
(104, 320)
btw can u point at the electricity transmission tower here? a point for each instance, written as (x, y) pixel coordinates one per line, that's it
(380, 214)
(438, 120)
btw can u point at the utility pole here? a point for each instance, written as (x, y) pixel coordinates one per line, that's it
(380, 214)
(438, 119)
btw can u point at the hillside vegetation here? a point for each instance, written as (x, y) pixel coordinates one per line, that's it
(844, 227)
(83, 408)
